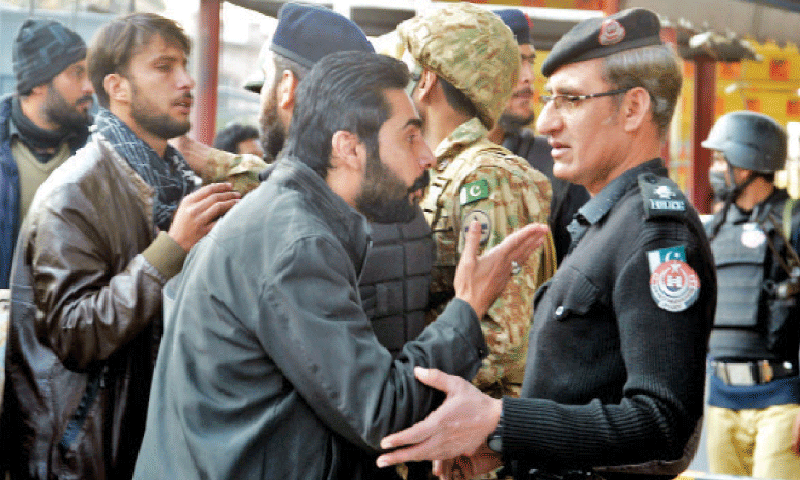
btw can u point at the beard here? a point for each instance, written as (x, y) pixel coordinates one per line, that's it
(158, 124)
(67, 116)
(384, 198)
(512, 123)
(273, 132)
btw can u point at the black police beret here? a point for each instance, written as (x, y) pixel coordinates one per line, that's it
(518, 23)
(306, 33)
(601, 37)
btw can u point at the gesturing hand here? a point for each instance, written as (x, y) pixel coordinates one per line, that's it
(480, 280)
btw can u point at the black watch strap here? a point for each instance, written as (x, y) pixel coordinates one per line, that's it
(495, 439)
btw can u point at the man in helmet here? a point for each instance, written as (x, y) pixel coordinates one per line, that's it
(460, 92)
(754, 387)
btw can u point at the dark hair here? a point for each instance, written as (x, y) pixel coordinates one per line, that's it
(344, 91)
(229, 138)
(457, 99)
(654, 68)
(118, 41)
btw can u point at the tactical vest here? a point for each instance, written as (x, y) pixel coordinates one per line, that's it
(750, 323)
(395, 281)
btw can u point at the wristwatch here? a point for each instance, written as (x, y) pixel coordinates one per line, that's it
(495, 439)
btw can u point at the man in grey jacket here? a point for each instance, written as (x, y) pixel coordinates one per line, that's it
(269, 367)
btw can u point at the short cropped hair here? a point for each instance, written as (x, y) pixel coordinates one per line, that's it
(654, 68)
(229, 138)
(344, 91)
(119, 40)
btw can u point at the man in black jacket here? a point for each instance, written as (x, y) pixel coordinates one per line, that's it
(616, 361)
(269, 367)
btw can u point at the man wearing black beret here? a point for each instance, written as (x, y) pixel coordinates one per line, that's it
(616, 362)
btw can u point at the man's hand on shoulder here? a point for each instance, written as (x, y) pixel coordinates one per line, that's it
(199, 211)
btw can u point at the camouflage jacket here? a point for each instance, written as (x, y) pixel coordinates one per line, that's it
(477, 179)
(240, 170)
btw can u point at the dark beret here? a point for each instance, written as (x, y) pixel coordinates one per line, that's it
(306, 33)
(601, 37)
(518, 23)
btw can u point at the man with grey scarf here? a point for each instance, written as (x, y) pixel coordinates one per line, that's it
(101, 239)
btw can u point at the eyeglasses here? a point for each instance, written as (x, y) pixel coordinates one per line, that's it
(563, 102)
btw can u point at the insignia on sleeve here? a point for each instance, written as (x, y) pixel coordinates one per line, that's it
(472, 192)
(674, 285)
(483, 218)
(661, 197)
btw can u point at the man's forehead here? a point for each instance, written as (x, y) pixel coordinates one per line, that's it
(157, 46)
(576, 76)
(403, 111)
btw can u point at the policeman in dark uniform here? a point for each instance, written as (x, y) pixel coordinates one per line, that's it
(616, 363)
(754, 387)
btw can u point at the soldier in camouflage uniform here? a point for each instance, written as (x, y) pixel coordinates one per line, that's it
(473, 54)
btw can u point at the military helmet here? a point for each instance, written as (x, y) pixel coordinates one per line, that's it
(749, 140)
(471, 48)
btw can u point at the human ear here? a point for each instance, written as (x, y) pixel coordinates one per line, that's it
(635, 108)
(347, 151)
(117, 87)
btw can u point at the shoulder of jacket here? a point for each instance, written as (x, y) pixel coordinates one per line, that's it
(494, 159)
(662, 198)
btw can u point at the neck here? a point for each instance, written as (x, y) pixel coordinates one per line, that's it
(641, 147)
(497, 135)
(758, 191)
(344, 183)
(156, 143)
(33, 108)
(440, 122)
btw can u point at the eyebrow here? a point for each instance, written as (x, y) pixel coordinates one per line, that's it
(529, 58)
(413, 122)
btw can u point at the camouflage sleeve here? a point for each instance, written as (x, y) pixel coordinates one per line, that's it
(240, 170)
(504, 200)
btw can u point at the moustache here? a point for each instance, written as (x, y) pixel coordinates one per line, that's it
(420, 183)
(523, 91)
(85, 99)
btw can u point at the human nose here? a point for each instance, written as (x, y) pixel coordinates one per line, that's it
(548, 119)
(526, 72)
(185, 80)
(86, 86)
(426, 157)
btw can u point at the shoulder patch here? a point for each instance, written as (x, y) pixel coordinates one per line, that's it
(474, 191)
(674, 285)
(661, 197)
(483, 218)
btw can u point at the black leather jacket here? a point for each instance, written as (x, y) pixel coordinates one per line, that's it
(85, 314)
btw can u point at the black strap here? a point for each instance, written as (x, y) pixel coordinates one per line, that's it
(97, 380)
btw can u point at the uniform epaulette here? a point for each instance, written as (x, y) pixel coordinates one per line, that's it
(661, 197)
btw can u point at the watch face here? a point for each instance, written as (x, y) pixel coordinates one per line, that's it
(495, 443)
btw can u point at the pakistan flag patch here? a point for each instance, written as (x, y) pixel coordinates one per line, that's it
(472, 192)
